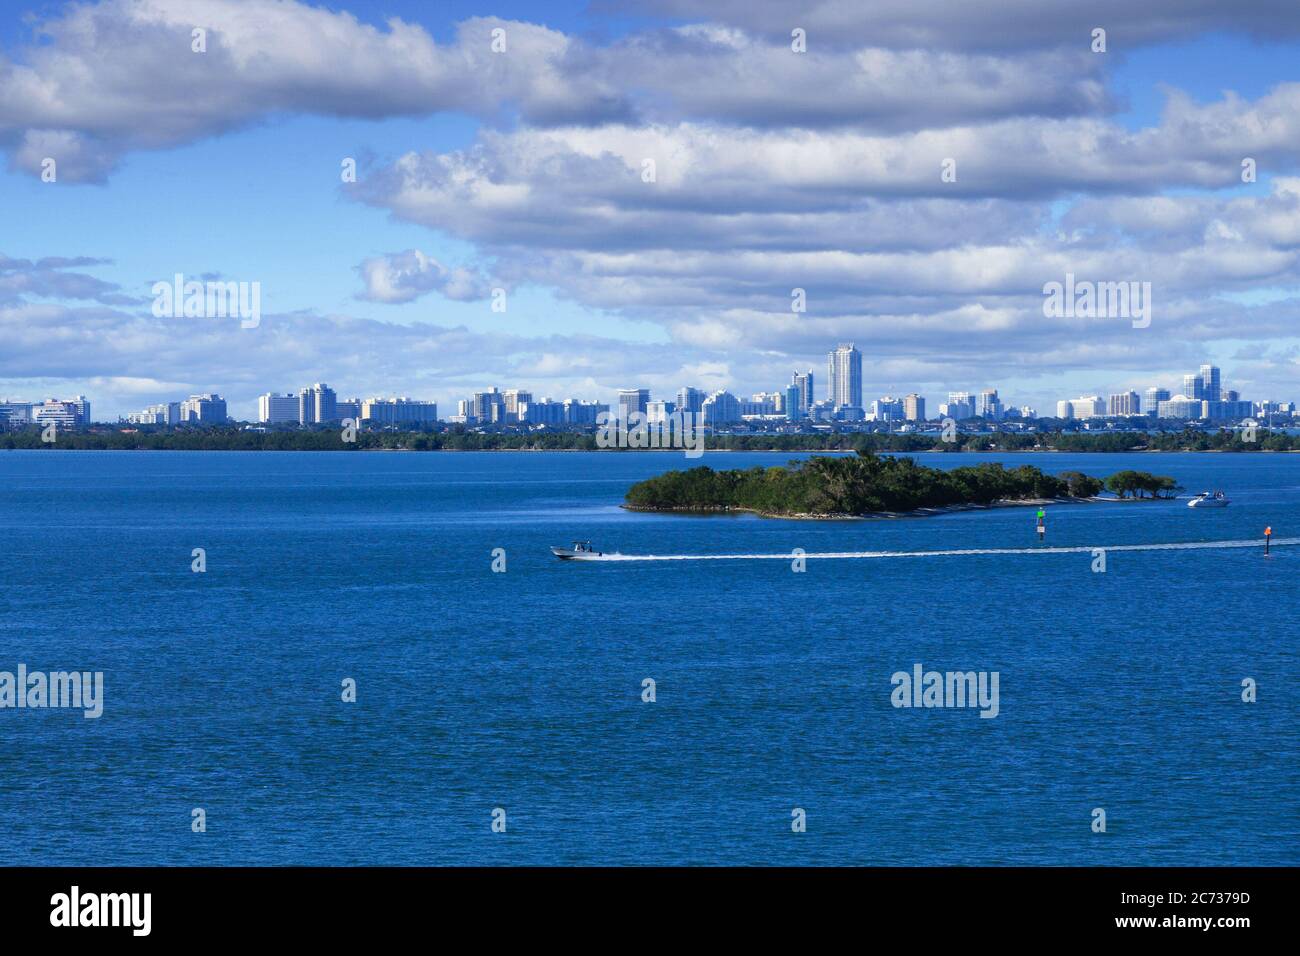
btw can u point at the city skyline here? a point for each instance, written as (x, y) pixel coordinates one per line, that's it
(1203, 397)
(380, 227)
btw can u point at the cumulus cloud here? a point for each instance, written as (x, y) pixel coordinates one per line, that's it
(704, 72)
(69, 97)
(958, 24)
(51, 278)
(405, 276)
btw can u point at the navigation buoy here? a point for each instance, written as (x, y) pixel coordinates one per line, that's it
(1268, 536)
(1042, 528)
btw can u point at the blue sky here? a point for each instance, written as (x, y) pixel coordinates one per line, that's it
(523, 172)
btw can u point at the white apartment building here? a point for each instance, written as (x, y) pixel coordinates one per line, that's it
(275, 409)
(1089, 406)
(398, 411)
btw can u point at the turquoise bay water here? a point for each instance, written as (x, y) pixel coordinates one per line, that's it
(522, 689)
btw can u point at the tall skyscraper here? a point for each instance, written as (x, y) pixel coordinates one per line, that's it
(1194, 387)
(1125, 403)
(804, 382)
(273, 409)
(721, 408)
(793, 403)
(513, 398)
(844, 368)
(1154, 397)
(207, 409)
(632, 400)
(690, 400)
(487, 407)
(990, 404)
(960, 405)
(914, 408)
(1210, 382)
(317, 404)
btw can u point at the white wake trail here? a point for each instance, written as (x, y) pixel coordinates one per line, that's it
(790, 555)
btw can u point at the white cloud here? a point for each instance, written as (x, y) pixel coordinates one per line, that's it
(405, 276)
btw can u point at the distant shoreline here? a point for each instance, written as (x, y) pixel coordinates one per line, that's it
(717, 451)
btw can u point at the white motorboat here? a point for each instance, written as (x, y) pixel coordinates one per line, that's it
(1208, 499)
(581, 551)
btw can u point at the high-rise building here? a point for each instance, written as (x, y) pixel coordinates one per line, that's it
(15, 413)
(64, 413)
(1181, 406)
(844, 371)
(206, 409)
(658, 413)
(513, 398)
(793, 403)
(487, 407)
(757, 408)
(804, 382)
(1154, 397)
(583, 413)
(990, 404)
(914, 408)
(632, 401)
(1209, 377)
(1194, 388)
(543, 412)
(275, 409)
(721, 408)
(960, 405)
(1088, 406)
(887, 409)
(317, 404)
(397, 411)
(1125, 403)
(164, 413)
(690, 400)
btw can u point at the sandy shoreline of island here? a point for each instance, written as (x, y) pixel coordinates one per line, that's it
(876, 515)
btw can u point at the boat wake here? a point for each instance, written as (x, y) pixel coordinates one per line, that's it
(960, 552)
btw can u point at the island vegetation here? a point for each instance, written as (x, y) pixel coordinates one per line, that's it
(871, 484)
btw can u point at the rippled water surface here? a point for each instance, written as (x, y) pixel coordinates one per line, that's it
(522, 689)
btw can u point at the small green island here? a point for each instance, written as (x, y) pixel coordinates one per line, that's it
(870, 484)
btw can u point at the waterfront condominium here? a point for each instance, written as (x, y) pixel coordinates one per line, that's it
(206, 409)
(317, 403)
(844, 369)
(960, 405)
(64, 413)
(1209, 377)
(1154, 396)
(632, 400)
(803, 381)
(273, 409)
(398, 411)
(690, 400)
(1124, 403)
(990, 404)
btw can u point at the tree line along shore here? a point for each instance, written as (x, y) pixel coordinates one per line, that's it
(869, 484)
(459, 439)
